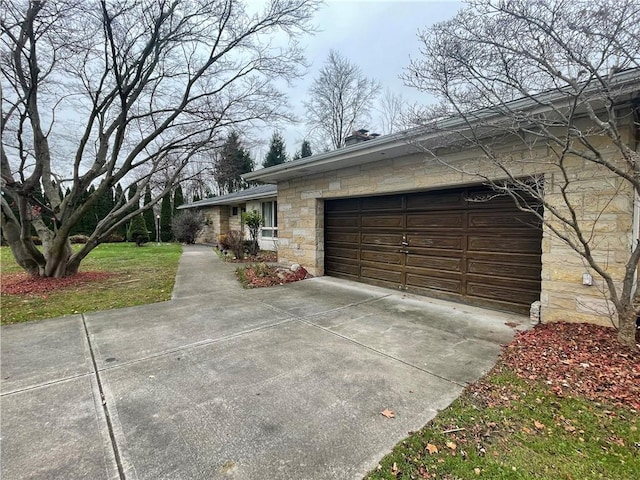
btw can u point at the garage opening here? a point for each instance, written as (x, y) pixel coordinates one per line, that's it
(468, 245)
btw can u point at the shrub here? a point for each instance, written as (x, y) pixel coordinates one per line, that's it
(253, 220)
(235, 240)
(138, 231)
(79, 239)
(114, 238)
(186, 226)
(223, 244)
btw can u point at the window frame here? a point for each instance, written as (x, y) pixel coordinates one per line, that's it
(270, 222)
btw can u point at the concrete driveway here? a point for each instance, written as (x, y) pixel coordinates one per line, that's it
(220, 382)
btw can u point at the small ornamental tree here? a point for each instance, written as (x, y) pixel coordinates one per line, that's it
(253, 220)
(186, 225)
(138, 231)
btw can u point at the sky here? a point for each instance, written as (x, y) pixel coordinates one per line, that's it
(380, 36)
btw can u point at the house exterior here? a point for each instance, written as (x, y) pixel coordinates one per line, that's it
(386, 213)
(224, 213)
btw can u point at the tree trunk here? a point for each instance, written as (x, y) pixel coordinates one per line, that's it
(58, 253)
(23, 250)
(627, 328)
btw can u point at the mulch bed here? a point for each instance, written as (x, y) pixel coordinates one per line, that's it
(25, 284)
(267, 276)
(578, 359)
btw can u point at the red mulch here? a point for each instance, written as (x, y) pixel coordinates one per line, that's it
(578, 359)
(275, 276)
(25, 284)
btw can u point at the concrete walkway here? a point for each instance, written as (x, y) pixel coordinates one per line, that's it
(220, 382)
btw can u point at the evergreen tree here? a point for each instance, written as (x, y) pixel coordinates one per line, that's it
(178, 199)
(149, 217)
(232, 161)
(90, 219)
(137, 231)
(133, 189)
(276, 154)
(165, 218)
(119, 199)
(305, 150)
(105, 204)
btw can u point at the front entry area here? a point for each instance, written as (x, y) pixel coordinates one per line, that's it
(469, 245)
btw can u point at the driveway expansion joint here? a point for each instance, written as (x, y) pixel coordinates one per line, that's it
(200, 344)
(46, 384)
(103, 402)
(391, 357)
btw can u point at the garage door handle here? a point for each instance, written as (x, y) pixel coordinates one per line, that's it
(405, 244)
(404, 251)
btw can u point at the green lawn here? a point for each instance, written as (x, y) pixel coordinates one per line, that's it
(506, 428)
(142, 275)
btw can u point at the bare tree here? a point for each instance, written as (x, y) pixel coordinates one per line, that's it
(392, 110)
(340, 99)
(96, 93)
(547, 94)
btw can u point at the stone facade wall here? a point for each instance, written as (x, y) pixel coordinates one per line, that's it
(596, 194)
(217, 221)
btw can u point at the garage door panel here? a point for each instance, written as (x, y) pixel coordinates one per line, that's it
(347, 253)
(500, 220)
(435, 201)
(341, 268)
(431, 221)
(382, 239)
(381, 257)
(443, 242)
(382, 221)
(392, 276)
(502, 294)
(342, 205)
(342, 237)
(503, 244)
(343, 221)
(435, 262)
(504, 269)
(434, 283)
(392, 202)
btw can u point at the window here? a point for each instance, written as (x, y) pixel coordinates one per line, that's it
(270, 216)
(234, 211)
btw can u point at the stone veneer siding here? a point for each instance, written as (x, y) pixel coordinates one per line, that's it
(596, 193)
(217, 221)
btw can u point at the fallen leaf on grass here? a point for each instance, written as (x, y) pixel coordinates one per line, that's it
(388, 413)
(432, 449)
(451, 445)
(538, 425)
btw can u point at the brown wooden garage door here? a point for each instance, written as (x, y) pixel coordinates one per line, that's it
(467, 245)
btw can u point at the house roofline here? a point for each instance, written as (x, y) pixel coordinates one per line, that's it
(403, 143)
(234, 198)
